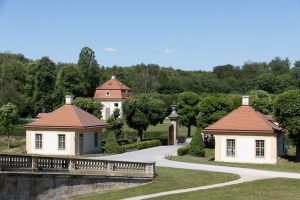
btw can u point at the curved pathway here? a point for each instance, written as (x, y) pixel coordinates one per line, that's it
(157, 154)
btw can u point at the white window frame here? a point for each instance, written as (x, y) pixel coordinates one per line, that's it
(107, 93)
(260, 148)
(61, 141)
(38, 141)
(230, 147)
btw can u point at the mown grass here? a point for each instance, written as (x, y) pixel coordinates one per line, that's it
(277, 188)
(284, 164)
(169, 179)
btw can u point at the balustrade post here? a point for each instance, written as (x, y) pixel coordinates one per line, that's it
(71, 164)
(150, 167)
(110, 166)
(34, 162)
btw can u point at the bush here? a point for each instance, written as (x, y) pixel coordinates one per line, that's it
(183, 150)
(129, 135)
(197, 145)
(140, 145)
(111, 145)
(155, 135)
(17, 131)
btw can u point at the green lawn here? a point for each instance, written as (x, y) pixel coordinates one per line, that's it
(169, 179)
(277, 188)
(285, 164)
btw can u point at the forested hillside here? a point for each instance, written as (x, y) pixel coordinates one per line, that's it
(40, 85)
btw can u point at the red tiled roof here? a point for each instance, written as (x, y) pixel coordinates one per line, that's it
(68, 117)
(41, 115)
(113, 84)
(116, 89)
(244, 119)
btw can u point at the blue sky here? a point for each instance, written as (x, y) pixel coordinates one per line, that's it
(187, 35)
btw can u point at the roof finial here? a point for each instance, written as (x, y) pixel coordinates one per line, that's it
(113, 77)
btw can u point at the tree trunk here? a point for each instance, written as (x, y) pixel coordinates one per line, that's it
(297, 153)
(8, 138)
(189, 131)
(140, 135)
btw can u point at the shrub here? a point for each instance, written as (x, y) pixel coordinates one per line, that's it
(140, 145)
(197, 145)
(17, 131)
(111, 145)
(155, 135)
(130, 135)
(183, 150)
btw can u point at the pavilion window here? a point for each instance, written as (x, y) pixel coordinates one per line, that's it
(61, 142)
(230, 147)
(38, 141)
(259, 148)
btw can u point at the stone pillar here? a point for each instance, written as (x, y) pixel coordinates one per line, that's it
(174, 117)
(150, 168)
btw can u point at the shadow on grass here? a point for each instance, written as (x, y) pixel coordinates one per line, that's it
(289, 158)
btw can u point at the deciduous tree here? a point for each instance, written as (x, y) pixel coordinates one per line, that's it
(69, 81)
(212, 108)
(90, 106)
(9, 117)
(90, 70)
(188, 109)
(142, 111)
(45, 77)
(117, 123)
(287, 114)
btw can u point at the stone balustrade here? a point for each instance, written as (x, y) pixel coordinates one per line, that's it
(77, 166)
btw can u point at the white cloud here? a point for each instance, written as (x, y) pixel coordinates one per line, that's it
(167, 50)
(110, 49)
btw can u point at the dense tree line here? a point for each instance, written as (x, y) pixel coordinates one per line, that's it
(40, 85)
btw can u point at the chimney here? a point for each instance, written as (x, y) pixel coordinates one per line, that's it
(69, 99)
(113, 77)
(246, 100)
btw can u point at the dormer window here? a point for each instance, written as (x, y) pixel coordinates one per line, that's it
(107, 93)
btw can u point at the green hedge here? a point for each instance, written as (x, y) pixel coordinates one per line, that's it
(131, 136)
(140, 145)
(183, 150)
(17, 131)
(155, 135)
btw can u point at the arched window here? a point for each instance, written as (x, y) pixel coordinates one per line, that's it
(107, 93)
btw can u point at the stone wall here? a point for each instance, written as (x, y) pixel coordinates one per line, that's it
(60, 186)
(42, 177)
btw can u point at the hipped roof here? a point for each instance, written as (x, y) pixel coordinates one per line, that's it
(244, 119)
(113, 84)
(68, 117)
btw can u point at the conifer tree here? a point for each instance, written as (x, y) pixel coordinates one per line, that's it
(111, 145)
(197, 146)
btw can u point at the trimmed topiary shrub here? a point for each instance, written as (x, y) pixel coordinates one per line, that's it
(140, 145)
(111, 145)
(183, 150)
(197, 145)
